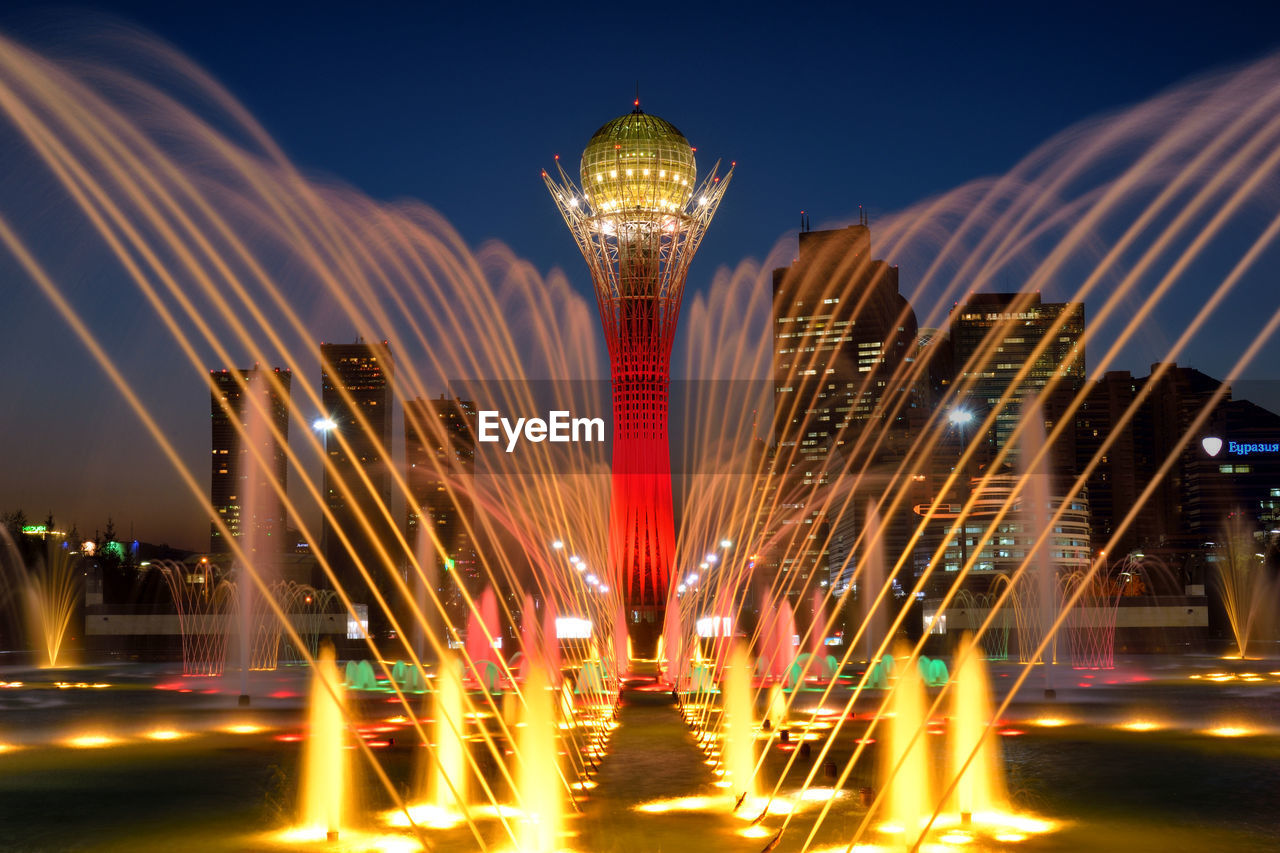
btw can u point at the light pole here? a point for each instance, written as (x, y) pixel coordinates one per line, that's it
(324, 426)
(961, 419)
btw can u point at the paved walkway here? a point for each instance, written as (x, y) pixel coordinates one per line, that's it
(652, 756)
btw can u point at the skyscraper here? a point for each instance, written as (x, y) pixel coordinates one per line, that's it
(843, 334)
(1230, 468)
(638, 219)
(241, 492)
(440, 449)
(357, 398)
(993, 335)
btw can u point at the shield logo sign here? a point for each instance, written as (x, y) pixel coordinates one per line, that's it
(1212, 446)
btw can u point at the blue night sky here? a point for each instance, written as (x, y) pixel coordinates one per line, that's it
(824, 107)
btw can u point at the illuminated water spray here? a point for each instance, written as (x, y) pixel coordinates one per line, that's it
(906, 761)
(448, 785)
(739, 726)
(975, 767)
(538, 784)
(324, 781)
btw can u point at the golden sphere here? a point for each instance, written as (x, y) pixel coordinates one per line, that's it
(638, 165)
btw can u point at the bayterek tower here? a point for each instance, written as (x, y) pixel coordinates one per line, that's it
(639, 216)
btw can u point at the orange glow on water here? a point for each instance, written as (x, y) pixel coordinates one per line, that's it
(165, 734)
(315, 835)
(424, 814)
(1141, 726)
(678, 804)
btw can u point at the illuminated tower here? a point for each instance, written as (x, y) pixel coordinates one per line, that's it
(639, 217)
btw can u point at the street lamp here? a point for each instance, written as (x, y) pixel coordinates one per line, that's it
(324, 426)
(961, 419)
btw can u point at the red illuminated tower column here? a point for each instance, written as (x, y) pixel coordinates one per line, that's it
(638, 217)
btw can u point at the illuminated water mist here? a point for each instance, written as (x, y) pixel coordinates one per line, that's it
(906, 764)
(325, 773)
(51, 595)
(447, 762)
(975, 767)
(540, 793)
(738, 729)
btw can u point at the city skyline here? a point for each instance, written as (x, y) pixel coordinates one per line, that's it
(70, 407)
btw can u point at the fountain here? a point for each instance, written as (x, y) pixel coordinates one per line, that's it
(483, 633)
(306, 607)
(323, 796)
(204, 602)
(817, 647)
(203, 258)
(995, 640)
(539, 790)
(529, 645)
(738, 726)
(871, 580)
(447, 760)
(50, 595)
(975, 767)
(551, 653)
(673, 655)
(906, 765)
(1091, 631)
(1248, 594)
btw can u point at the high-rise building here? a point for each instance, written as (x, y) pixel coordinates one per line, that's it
(242, 492)
(843, 397)
(841, 331)
(440, 450)
(638, 218)
(993, 335)
(1123, 470)
(357, 398)
(1229, 468)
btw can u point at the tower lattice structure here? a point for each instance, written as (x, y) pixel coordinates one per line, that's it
(639, 216)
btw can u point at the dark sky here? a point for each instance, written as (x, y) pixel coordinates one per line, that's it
(824, 107)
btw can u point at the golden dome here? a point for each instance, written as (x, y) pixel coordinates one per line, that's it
(638, 164)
